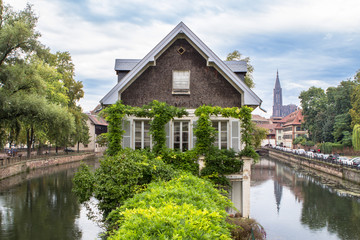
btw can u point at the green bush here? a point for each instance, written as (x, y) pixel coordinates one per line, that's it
(186, 161)
(186, 207)
(219, 163)
(119, 178)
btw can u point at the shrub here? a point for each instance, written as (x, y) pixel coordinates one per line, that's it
(220, 163)
(119, 178)
(183, 207)
(186, 161)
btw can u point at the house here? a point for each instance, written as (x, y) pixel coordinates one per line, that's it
(290, 128)
(97, 125)
(183, 72)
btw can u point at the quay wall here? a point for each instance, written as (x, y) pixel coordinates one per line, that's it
(26, 165)
(337, 170)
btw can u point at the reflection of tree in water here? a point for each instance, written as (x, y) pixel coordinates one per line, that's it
(44, 208)
(322, 208)
(278, 189)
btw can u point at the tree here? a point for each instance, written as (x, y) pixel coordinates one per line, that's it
(236, 56)
(313, 103)
(355, 101)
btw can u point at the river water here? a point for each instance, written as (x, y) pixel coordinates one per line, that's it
(40, 205)
(290, 203)
(296, 203)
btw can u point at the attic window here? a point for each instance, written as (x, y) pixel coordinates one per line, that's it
(181, 82)
(181, 50)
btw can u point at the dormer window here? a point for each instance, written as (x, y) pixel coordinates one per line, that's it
(181, 82)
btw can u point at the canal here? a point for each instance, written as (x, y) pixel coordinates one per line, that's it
(290, 203)
(40, 205)
(296, 203)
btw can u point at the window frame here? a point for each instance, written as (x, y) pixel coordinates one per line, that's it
(180, 90)
(142, 132)
(218, 141)
(181, 142)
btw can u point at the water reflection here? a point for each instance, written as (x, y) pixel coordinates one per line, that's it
(291, 204)
(41, 207)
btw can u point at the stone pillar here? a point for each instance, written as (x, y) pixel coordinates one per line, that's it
(201, 162)
(245, 211)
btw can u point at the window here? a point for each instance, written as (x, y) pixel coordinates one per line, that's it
(181, 135)
(142, 135)
(221, 139)
(181, 82)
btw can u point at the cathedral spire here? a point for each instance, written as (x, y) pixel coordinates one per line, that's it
(277, 83)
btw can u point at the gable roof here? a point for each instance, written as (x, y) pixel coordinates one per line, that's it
(294, 118)
(181, 30)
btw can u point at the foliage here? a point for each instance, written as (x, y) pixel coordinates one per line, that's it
(219, 163)
(186, 161)
(328, 116)
(259, 134)
(114, 115)
(326, 147)
(236, 56)
(186, 207)
(35, 95)
(204, 131)
(355, 101)
(313, 102)
(299, 140)
(160, 114)
(356, 137)
(84, 183)
(119, 177)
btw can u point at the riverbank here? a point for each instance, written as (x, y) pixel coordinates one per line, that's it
(27, 165)
(336, 170)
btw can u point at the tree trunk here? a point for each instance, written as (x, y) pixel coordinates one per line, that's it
(78, 146)
(29, 140)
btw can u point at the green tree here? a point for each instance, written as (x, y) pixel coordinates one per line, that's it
(236, 56)
(355, 101)
(313, 103)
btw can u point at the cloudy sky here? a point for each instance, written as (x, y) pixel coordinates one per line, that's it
(310, 42)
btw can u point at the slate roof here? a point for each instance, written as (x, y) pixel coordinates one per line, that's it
(97, 120)
(249, 97)
(125, 64)
(237, 66)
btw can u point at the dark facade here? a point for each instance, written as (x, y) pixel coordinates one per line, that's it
(207, 85)
(280, 110)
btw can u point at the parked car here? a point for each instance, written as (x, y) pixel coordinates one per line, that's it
(300, 151)
(355, 161)
(325, 156)
(69, 150)
(344, 161)
(310, 154)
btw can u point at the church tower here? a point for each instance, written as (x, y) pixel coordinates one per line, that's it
(277, 103)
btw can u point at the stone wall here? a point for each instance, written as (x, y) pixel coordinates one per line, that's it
(22, 166)
(329, 168)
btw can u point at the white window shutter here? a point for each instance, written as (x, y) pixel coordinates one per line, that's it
(235, 135)
(167, 130)
(127, 135)
(193, 134)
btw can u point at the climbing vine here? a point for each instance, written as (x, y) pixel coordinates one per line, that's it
(205, 133)
(160, 114)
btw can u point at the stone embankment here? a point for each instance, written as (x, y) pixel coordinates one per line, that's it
(27, 165)
(341, 171)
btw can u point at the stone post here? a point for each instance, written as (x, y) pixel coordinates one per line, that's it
(246, 186)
